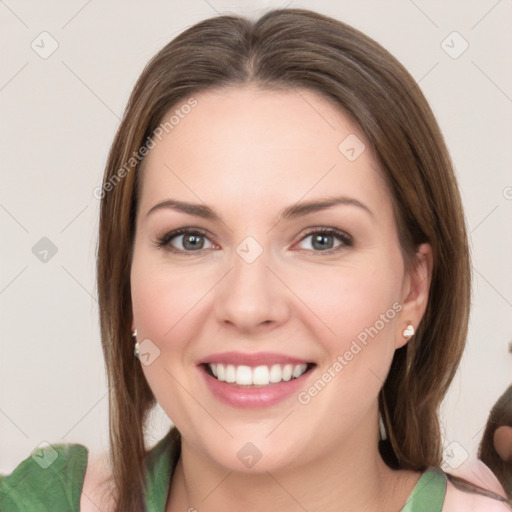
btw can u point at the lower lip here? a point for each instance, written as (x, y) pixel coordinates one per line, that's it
(254, 397)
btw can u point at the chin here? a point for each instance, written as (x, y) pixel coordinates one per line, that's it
(253, 454)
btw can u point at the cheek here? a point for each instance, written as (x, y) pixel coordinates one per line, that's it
(352, 299)
(164, 313)
(360, 307)
(163, 302)
(353, 314)
(153, 306)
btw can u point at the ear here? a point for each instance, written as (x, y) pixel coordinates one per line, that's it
(415, 292)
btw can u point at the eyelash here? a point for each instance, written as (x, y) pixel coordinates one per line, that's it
(164, 241)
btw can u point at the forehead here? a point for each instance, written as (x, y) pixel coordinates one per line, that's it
(247, 144)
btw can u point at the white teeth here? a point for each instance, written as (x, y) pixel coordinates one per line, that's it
(259, 376)
(275, 373)
(221, 372)
(297, 371)
(287, 372)
(230, 373)
(244, 375)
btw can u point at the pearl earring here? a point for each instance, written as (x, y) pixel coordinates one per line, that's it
(136, 349)
(408, 332)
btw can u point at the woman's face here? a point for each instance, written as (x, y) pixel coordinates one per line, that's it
(254, 287)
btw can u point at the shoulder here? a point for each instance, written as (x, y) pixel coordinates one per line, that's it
(50, 477)
(457, 500)
(475, 489)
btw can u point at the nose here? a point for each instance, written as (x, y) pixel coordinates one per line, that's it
(251, 297)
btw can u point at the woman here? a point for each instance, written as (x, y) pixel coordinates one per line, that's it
(282, 246)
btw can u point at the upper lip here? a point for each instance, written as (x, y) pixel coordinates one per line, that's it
(256, 359)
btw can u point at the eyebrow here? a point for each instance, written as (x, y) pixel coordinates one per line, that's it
(290, 212)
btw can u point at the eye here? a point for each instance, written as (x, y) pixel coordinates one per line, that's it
(189, 240)
(183, 240)
(323, 240)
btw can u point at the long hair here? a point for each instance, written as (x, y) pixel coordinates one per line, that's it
(287, 49)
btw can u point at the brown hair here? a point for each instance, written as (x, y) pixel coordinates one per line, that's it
(286, 49)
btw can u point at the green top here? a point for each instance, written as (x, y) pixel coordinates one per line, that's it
(51, 479)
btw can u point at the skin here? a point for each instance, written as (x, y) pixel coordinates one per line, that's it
(503, 442)
(248, 154)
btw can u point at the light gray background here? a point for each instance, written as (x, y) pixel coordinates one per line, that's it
(58, 119)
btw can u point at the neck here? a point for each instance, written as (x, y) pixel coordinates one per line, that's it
(351, 477)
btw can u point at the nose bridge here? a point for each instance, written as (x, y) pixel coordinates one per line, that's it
(250, 294)
(250, 268)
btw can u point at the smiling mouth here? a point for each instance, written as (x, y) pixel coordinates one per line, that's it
(258, 376)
